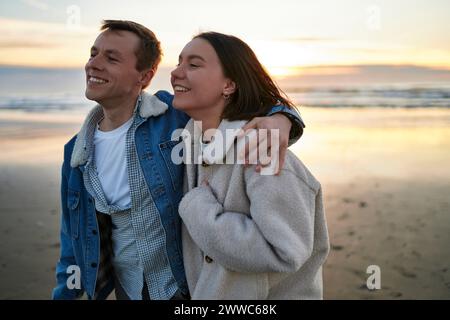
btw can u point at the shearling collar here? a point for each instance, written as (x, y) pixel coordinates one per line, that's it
(148, 105)
(222, 141)
(216, 150)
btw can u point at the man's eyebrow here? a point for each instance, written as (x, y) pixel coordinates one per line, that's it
(192, 56)
(110, 51)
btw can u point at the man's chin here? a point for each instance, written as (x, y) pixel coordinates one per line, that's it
(91, 96)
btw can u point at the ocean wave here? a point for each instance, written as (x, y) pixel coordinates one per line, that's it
(42, 104)
(310, 97)
(372, 97)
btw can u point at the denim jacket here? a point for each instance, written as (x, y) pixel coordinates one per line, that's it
(83, 231)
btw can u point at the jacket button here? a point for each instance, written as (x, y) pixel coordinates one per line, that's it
(94, 232)
(90, 200)
(208, 259)
(93, 265)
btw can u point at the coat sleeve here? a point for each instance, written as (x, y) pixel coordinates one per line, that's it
(67, 258)
(277, 236)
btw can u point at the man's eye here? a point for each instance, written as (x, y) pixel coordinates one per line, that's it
(193, 65)
(112, 59)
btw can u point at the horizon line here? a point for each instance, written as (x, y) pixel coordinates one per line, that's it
(425, 66)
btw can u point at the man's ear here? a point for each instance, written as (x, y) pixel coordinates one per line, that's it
(230, 87)
(146, 77)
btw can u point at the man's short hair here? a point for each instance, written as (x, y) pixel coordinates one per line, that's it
(149, 52)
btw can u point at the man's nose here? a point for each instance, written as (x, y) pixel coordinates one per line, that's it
(95, 62)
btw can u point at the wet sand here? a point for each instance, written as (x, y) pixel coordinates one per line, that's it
(386, 181)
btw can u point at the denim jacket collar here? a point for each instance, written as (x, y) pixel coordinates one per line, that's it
(147, 105)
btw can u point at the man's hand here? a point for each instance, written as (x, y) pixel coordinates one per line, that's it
(275, 122)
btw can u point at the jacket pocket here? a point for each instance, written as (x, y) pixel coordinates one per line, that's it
(73, 203)
(174, 167)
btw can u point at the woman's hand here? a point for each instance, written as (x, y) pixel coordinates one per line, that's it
(278, 122)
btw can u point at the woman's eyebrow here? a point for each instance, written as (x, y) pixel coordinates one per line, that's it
(192, 56)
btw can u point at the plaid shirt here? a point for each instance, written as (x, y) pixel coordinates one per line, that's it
(136, 234)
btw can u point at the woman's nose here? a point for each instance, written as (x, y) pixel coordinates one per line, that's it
(177, 72)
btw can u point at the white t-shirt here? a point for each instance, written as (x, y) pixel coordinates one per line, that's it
(111, 164)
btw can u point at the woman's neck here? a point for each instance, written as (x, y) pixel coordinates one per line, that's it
(209, 120)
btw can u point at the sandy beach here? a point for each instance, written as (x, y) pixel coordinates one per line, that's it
(386, 181)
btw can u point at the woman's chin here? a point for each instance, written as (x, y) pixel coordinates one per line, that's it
(179, 105)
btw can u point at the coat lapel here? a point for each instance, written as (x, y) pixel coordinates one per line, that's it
(190, 166)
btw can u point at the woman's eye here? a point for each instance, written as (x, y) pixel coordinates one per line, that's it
(193, 65)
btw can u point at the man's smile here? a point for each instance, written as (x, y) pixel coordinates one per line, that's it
(96, 80)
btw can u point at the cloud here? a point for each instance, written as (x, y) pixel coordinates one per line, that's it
(37, 4)
(15, 44)
(309, 39)
(35, 43)
(333, 75)
(14, 29)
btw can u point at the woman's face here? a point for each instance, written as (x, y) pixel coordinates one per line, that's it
(198, 80)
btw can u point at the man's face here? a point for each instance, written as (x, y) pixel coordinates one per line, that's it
(111, 75)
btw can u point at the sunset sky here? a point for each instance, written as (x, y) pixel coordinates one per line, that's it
(287, 35)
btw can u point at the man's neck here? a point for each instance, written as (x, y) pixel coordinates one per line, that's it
(116, 114)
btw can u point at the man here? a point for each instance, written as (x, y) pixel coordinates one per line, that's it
(120, 190)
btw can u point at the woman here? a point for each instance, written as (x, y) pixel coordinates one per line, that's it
(245, 235)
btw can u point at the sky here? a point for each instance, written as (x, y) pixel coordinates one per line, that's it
(288, 36)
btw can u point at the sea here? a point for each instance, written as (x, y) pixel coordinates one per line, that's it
(60, 90)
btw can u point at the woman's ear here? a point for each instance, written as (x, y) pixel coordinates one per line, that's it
(230, 87)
